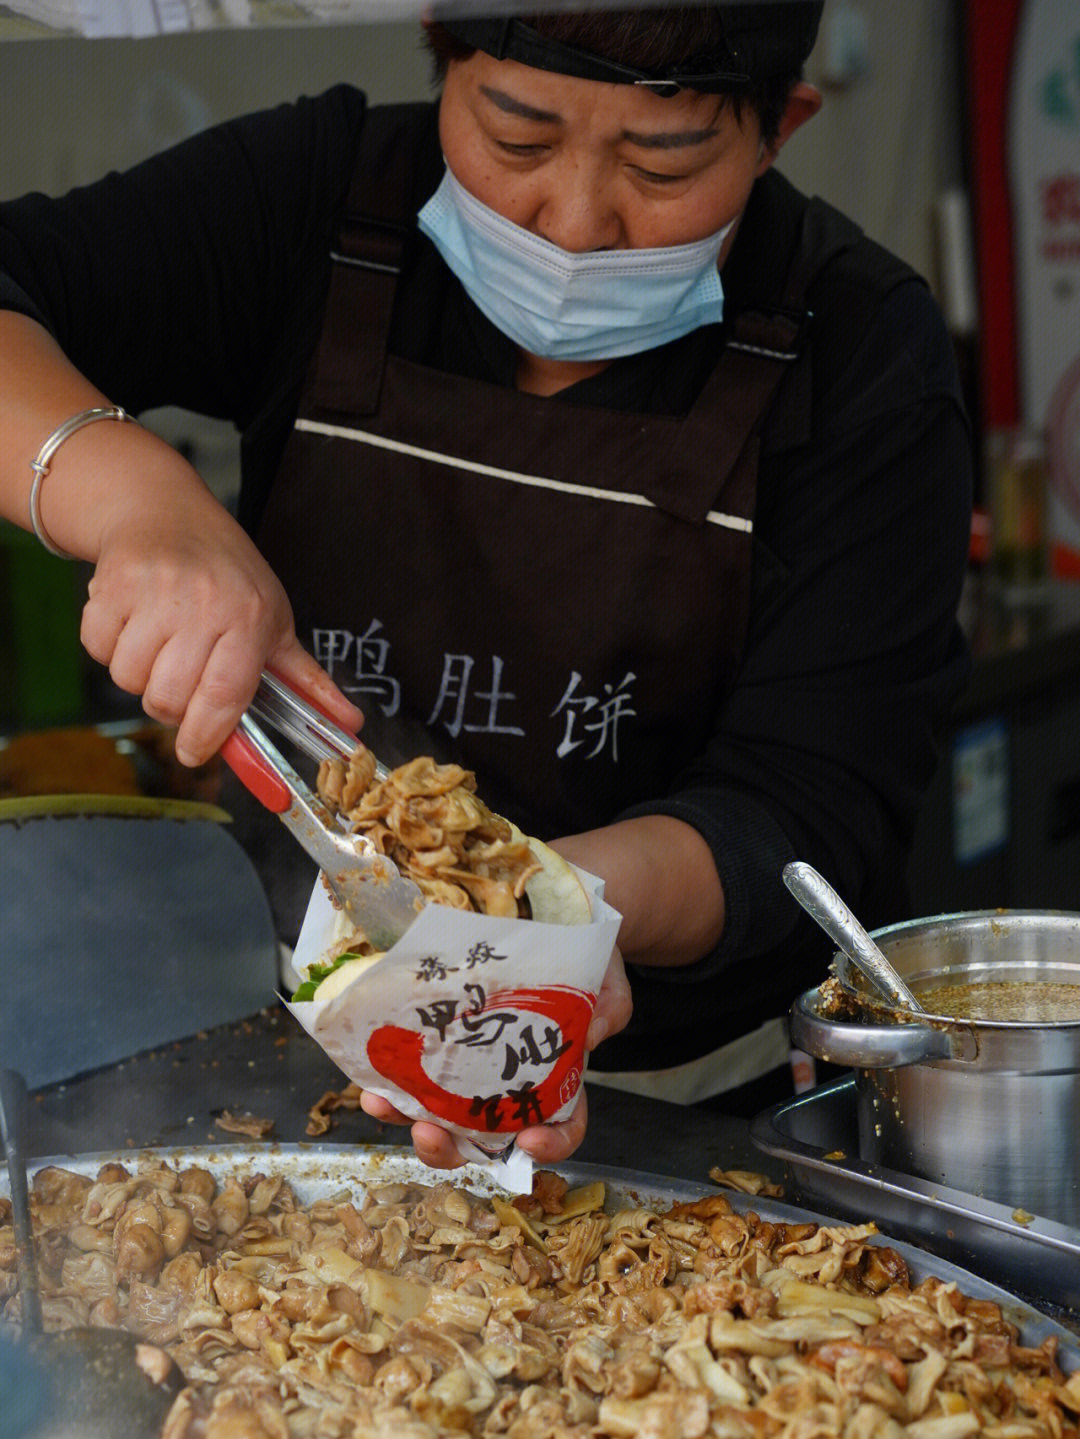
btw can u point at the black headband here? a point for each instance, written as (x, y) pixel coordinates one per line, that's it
(760, 40)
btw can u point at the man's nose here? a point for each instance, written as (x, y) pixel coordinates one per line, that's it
(577, 215)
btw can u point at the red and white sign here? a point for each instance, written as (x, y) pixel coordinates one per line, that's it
(1044, 176)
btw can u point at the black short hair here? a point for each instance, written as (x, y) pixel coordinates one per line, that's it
(656, 41)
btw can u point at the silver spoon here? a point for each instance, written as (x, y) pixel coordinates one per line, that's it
(824, 905)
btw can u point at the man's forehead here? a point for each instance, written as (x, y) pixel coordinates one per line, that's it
(545, 97)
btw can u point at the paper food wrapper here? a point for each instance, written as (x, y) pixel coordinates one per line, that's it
(474, 1022)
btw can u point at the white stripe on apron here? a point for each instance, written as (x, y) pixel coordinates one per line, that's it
(344, 432)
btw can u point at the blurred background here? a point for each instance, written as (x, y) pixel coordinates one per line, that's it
(950, 132)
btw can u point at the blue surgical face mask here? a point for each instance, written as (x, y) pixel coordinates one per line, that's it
(565, 306)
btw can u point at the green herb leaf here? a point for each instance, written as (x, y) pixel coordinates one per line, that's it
(316, 974)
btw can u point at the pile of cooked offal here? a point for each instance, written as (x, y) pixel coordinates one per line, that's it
(408, 1311)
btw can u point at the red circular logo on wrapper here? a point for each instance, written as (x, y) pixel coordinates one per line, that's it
(518, 1052)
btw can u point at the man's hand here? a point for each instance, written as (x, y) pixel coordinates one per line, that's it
(546, 1143)
(185, 612)
(182, 608)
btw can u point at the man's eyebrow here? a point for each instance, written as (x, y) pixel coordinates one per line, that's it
(669, 139)
(661, 140)
(510, 106)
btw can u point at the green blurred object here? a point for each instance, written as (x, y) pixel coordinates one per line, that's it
(41, 660)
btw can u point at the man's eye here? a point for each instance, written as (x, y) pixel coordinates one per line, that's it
(656, 179)
(520, 149)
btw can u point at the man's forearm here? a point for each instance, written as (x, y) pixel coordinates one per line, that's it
(40, 389)
(101, 473)
(660, 875)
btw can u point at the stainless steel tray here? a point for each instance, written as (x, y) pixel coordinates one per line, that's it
(316, 1171)
(817, 1137)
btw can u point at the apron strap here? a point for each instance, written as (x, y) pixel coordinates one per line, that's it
(347, 369)
(762, 345)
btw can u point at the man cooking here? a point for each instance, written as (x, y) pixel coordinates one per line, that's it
(577, 446)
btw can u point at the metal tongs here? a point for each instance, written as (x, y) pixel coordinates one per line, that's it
(370, 888)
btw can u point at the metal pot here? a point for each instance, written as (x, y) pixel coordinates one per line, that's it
(988, 1107)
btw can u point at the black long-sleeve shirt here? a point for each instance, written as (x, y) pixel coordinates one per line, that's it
(198, 279)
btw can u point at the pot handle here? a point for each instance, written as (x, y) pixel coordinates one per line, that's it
(875, 1046)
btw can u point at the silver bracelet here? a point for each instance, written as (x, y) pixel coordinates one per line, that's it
(40, 465)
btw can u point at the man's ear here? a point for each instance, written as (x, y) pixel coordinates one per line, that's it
(803, 103)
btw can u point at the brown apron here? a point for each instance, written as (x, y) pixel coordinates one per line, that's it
(553, 595)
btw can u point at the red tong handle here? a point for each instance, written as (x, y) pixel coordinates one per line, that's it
(255, 774)
(253, 769)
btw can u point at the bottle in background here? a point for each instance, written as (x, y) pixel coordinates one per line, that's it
(1018, 514)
